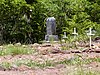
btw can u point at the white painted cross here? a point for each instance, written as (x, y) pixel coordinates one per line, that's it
(75, 33)
(90, 34)
(64, 36)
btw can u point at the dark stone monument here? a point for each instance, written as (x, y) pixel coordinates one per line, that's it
(51, 29)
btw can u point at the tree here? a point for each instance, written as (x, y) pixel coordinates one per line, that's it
(30, 1)
(24, 20)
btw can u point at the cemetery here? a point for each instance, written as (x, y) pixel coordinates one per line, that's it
(49, 37)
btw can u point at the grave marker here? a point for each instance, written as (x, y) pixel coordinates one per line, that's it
(90, 34)
(64, 36)
(75, 33)
(51, 30)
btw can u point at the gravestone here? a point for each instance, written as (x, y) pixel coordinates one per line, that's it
(51, 29)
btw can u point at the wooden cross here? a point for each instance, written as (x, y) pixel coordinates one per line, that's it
(90, 34)
(64, 36)
(75, 33)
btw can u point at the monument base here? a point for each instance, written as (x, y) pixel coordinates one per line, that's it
(51, 38)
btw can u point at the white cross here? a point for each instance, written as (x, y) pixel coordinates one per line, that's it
(75, 33)
(90, 34)
(64, 36)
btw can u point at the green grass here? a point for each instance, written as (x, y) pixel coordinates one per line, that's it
(33, 64)
(48, 63)
(29, 63)
(15, 50)
(5, 65)
(69, 71)
(86, 72)
(76, 62)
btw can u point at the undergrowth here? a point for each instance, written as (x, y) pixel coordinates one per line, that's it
(15, 50)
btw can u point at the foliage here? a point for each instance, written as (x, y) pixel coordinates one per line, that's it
(33, 64)
(6, 65)
(24, 20)
(15, 50)
(82, 72)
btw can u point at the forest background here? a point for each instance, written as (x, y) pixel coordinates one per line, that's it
(25, 21)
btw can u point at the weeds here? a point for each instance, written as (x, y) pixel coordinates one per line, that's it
(33, 64)
(68, 44)
(79, 61)
(15, 50)
(76, 62)
(85, 72)
(5, 65)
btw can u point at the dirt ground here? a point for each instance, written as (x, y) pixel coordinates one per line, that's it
(52, 53)
(57, 70)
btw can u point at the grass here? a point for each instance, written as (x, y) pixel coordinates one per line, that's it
(29, 63)
(5, 65)
(77, 62)
(86, 72)
(81, 71)
(48, 63)
(15, 50)
(33, 64)
(68, 44)
(72, 43)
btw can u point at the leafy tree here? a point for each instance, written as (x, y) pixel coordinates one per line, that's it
(24, 20)
(30, 1)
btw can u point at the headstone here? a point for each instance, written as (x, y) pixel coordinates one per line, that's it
(51, 29)
(90, 34)
(75, 33)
